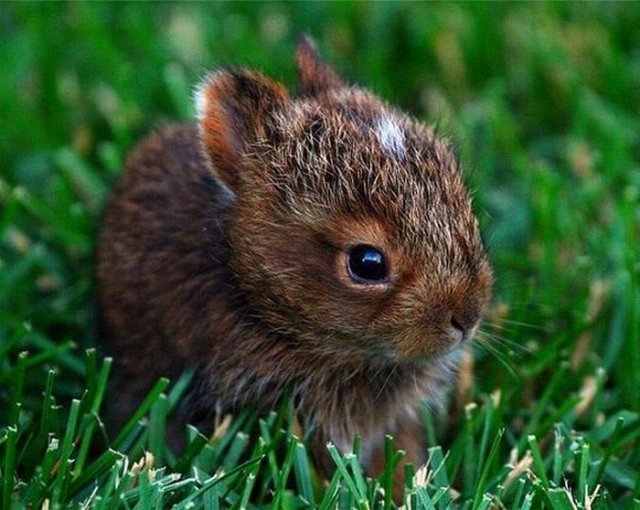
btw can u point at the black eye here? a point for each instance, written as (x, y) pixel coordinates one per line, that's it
(366, 264)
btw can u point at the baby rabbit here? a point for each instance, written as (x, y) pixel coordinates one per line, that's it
(322, 245)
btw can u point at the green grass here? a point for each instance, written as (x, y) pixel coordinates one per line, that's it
(544, 100)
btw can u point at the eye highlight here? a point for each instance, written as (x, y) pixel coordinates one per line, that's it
(366, 264)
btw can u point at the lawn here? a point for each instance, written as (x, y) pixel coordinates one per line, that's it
(543, 101)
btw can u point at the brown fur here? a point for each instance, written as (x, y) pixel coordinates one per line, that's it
(225, 251)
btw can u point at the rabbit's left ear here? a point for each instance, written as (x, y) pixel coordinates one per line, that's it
(314, 74)
(234, 107)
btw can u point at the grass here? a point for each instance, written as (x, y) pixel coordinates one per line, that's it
(543, 99)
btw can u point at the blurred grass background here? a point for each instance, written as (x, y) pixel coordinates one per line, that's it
(543, 101)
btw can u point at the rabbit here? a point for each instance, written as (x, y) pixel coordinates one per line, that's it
(321, 245)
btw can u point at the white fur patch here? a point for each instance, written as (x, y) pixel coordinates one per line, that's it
(200, 99)
(391, 137)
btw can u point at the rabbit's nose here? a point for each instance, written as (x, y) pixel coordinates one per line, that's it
(461, 326)
(458, 328)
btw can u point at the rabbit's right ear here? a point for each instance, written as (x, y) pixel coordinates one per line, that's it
(233, 107)
(314, 74)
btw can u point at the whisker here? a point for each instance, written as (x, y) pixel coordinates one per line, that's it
(504, 324)
(521, 305)
(523, 324)
(497, 354)
(503, 341)
(386, 382)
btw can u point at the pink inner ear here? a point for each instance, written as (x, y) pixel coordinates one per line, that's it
(220, 137)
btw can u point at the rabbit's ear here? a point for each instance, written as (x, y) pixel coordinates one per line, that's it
(233, 108)
(314, 74)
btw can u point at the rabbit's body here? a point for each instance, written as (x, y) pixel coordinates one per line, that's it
(323, 246)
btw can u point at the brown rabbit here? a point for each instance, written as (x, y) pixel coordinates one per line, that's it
(322, 245)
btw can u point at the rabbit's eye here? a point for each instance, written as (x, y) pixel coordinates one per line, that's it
(366, 264)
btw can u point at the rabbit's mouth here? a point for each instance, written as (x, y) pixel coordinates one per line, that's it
(424, 345)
